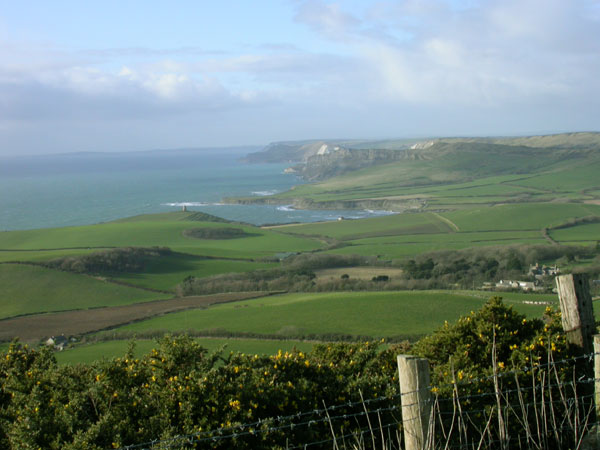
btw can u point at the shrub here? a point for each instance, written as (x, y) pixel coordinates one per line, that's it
(217, 233)
(128, 259)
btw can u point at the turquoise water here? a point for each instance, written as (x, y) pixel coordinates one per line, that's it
(85, 188)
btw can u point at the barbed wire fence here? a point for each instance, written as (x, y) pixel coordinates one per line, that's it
(553, 411)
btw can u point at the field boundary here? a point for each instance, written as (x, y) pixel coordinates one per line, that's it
(447, 221)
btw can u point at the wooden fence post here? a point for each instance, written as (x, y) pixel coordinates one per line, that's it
(597, 374)
(577, 311)
(415, 396)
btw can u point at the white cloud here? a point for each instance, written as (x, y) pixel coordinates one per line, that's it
(420, 61)
(491, 53)
(327, 19)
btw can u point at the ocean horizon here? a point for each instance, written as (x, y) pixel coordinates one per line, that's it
(47, 191)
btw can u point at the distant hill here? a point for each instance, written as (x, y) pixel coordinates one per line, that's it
(320, 160)
(291, 152)
(449, 173)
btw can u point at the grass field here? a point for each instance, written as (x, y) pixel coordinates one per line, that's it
(388, 251)
(166, 272)
(38, 255)
(410, 234)
(32, 328)
(499, 218)
(574, 179)
(393, 225)
(394, 247)
(111, 349)
(29, 290)
(519, 216)
(587, 232)
(192, 257)
(465, 174)
(159, 230)
(377, 314)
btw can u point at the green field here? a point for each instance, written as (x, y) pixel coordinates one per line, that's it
(586, 233)
(387, 251)
(169, 271)
(574, 179)
(110, 349)
(409, 234)
(40, 255)
(519, 216)
(164, 230)
(377, 314)
(393, 225)
(29, 290)
(191, 257)
(510, 217)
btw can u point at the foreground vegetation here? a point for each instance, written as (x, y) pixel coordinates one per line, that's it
(179, 388)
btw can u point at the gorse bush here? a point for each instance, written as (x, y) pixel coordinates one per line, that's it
(180, 388)
(495, 364)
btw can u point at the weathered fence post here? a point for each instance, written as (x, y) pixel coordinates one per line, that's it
(577, 311)
(592, 439)
(415, 396)
(597, 375)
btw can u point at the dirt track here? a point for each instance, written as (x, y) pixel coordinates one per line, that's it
(35, 327)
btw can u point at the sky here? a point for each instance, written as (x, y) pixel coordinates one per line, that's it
(132, 75)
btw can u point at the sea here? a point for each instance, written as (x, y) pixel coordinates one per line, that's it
(45, 191)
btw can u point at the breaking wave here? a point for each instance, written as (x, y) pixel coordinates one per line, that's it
(264, 193)
(285, 208)
(192, 204)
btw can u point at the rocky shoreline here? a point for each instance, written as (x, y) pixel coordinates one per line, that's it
(399, 205)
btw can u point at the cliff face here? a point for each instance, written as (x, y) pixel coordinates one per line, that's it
(321, 166)
(292, 152)
(319, 160)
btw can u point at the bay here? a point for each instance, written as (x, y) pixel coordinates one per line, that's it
(85, 188)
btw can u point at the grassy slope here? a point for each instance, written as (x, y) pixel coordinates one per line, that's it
(169, 271)
(379, 314)
(28, 290)
(519, 216)
(484, 218)
(162, 230)
(398, 224)
(459, 172)
(397, 250)
(232, 255)
(37, 255)
(410, 234)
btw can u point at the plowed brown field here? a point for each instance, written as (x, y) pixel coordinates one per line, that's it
(35, 327)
